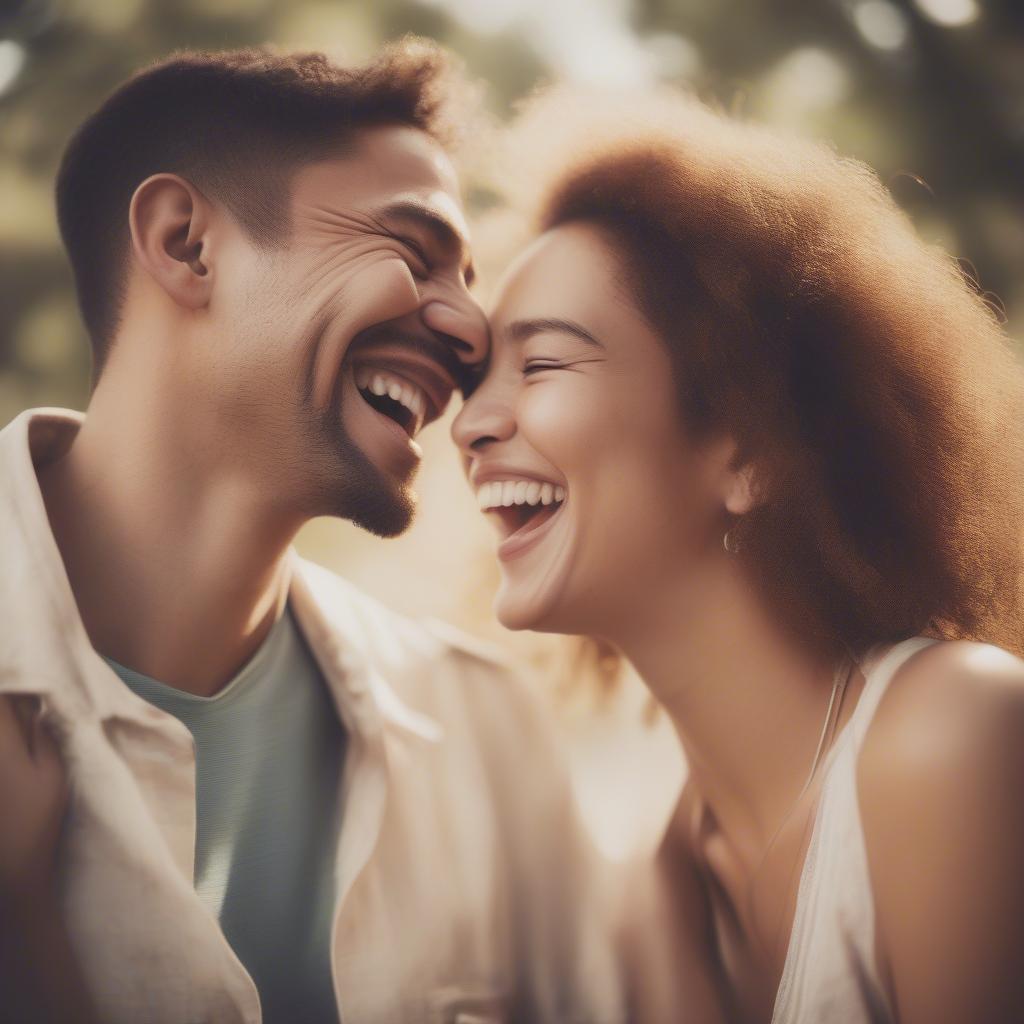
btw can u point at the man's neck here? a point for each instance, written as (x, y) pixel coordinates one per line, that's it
(178, 569)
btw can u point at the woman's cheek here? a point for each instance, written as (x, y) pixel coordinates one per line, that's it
(560, 422)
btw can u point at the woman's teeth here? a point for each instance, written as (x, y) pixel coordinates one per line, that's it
(506, 493)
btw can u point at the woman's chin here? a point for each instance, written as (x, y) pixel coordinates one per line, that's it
(516, 611)
(518, 607)
(535, 585)
(520, 604)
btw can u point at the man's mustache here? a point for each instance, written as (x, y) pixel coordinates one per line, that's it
(440, 348)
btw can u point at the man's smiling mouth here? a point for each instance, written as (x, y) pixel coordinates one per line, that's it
(395, 397)
(403, 386)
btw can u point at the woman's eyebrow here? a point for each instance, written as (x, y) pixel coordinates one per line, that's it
(520, 330)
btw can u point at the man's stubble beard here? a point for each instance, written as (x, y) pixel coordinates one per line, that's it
(352, 486)
(335, 478)
(345, 482)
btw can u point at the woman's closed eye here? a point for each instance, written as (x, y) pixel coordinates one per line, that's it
(536, 365)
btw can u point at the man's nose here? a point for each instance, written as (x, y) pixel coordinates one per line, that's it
(485, 418)
(462, 320)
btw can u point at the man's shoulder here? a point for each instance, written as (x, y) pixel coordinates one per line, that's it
(432, 666)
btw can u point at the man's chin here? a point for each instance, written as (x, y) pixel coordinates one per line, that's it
(374, 498)
(386, 516)
(371, 498)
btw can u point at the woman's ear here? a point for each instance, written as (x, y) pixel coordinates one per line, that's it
(739, 478)
(741, 493)
(169, 219)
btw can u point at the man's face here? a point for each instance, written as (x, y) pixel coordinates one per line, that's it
(347, 340)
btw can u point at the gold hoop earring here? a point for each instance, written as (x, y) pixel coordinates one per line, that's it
(729, 543)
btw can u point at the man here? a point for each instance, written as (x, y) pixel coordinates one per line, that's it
(286, 803)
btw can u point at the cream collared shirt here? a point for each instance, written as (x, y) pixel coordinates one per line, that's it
(466, 890)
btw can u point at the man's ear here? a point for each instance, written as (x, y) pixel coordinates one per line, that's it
(169, 219)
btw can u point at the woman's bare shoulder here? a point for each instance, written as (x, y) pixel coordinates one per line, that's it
(940, 780)
(951, 705)
(949, 729)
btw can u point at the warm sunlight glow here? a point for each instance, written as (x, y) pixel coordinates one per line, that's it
(950, 13)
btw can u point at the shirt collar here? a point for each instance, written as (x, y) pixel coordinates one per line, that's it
(333, 617)
(49, 647)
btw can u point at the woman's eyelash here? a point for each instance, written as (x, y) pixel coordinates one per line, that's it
(533, 365)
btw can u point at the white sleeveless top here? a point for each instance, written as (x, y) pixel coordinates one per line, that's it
(830, 974)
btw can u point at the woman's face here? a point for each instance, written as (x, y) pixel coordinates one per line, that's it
(574, 446)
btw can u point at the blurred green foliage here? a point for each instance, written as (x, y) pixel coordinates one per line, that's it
(929, 92)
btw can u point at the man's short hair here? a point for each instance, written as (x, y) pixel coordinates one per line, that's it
(237, 125)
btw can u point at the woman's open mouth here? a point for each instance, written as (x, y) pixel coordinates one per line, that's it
(522, 509)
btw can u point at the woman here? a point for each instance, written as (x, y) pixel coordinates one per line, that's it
(743, 425)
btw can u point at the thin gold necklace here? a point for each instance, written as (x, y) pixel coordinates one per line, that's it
(839, 683)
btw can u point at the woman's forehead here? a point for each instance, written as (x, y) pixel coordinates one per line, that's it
(569, 267)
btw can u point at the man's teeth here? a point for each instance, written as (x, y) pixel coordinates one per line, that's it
(505, 493)
(380, 382)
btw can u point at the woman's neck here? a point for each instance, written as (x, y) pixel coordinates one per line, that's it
(747, 701)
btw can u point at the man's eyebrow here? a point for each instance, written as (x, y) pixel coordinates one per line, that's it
(520, 330)
(446, 234)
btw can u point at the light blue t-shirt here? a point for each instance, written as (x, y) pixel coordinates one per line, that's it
(269, 750)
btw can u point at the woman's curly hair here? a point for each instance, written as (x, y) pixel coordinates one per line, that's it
(860, 373)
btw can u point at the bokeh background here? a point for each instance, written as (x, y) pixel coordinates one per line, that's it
(929, 92)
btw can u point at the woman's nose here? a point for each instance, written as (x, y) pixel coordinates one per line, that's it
(486, 417)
